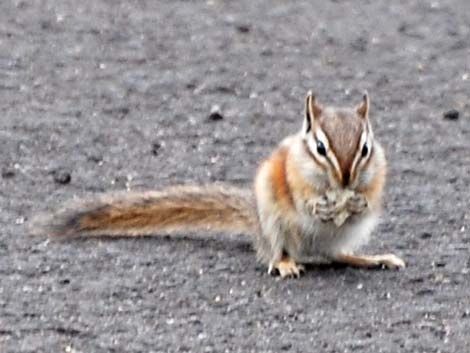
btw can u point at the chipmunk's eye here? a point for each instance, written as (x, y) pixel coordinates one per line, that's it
(365, 150)
(321, 148)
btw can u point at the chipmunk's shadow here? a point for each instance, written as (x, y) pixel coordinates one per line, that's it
(309, 266)
(232, 245)
(239, 245)
(224, 243)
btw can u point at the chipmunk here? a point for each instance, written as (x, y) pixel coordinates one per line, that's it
(298, 208)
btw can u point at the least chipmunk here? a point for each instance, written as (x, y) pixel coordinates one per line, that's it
(317, 195)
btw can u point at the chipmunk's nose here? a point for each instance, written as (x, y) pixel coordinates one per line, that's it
(346, 177)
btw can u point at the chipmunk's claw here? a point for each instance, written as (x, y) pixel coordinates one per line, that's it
(286, 268)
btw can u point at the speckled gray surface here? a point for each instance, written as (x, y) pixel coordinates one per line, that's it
(118, 93)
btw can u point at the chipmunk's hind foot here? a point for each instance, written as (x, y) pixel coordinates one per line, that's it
(389, 261)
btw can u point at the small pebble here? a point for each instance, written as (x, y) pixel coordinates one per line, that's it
(64, 281)
(190, 85)
(45, 25)
(267, 52)
(156, 147)
(243, 28)
(8, 173)
(215, 114)
(61, 176)
(360, 44)
(452, 114)
(123, 111)
(425, 291)
(452, 180)
(95, 157)
(425, 235)
(286, 347)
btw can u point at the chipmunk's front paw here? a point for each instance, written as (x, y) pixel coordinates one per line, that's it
(325, 209)
(357, 203)
(310, 206)
(286, 268)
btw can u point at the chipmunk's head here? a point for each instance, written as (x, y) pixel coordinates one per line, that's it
(340, 142)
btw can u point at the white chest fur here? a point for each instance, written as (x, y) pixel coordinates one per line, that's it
(325, 239)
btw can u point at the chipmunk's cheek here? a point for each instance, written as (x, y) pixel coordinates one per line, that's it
(355, 179)
(320, 179)
(363, 178)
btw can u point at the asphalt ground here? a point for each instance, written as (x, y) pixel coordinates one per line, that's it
(99, 96)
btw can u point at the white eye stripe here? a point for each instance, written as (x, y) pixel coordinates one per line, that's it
(366, 138)
(312, 145)
(320, 136)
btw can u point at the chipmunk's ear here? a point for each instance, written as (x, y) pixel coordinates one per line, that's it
(312, 111)
(363, 108)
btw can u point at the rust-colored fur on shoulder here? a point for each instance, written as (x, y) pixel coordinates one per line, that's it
(281, 187)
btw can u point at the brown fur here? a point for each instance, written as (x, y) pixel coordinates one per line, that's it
(217, 208)
(343, 131)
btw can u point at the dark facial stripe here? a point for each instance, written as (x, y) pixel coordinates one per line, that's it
(360, 160)
(358, 150)
(332, 148)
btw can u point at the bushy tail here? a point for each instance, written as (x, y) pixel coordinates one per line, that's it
(179, 208)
